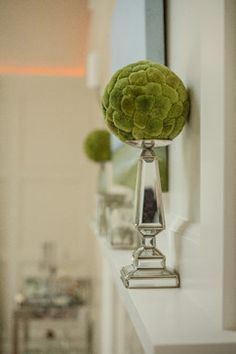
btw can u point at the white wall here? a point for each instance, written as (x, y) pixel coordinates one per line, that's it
(229, 244)
(47, 184)
(43, 33)
(197, 51)
(100, 37)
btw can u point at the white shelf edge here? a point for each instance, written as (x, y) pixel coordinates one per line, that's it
(166, 319)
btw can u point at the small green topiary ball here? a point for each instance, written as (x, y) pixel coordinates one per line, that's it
(97, 145)
(145, 100)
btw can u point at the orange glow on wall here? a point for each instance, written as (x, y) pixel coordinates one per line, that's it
(43, 70)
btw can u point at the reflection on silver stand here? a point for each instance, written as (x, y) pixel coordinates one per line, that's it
(148, 268)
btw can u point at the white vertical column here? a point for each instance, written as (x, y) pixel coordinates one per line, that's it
(229, 242)
(120, 327)
(212, 158)
(9, 116)
(107, 311)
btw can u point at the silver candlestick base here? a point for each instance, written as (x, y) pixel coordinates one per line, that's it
(148, 268)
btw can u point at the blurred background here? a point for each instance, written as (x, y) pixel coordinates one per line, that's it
(55, 59)
(56, 291)
(46, 183)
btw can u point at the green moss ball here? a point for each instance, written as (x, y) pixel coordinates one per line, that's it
(145, 100)
(97, 145)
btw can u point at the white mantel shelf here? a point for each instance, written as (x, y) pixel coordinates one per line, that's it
(166, 320)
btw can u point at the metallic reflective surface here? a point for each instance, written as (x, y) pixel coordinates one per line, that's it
(148, 268)
(148, 143)
(149, 215)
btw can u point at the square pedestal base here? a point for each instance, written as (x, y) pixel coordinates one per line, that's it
(148, 278)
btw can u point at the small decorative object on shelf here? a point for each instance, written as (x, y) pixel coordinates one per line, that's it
(69, 302)
(108, 201)
(97, 147)
(101, 218)
(146, 105)
(121, 232)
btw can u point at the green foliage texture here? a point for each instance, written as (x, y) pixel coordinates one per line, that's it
(97, 145)
(145, 100)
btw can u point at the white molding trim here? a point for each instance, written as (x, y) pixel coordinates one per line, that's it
(229, 241)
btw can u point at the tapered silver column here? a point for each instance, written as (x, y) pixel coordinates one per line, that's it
(148, 268)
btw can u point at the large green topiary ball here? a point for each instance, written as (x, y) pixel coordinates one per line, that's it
(97, 145)
(145, 100)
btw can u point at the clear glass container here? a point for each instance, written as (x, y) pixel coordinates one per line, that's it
(106, 201)
(121, 231)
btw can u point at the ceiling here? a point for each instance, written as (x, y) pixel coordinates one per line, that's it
(44, 37)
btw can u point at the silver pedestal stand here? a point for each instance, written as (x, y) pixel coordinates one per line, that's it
(148, 268)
